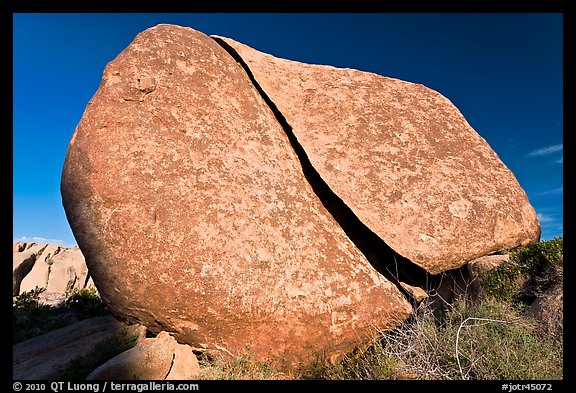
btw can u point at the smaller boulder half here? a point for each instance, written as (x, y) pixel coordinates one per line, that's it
(152, 358)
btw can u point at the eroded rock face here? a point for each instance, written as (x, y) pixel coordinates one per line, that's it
(23, 260)
(486, 264)
(40, 272)
(481, 268)
(18, 247)
(194, 216)
(53, 267)
(68, 271)
(402, 157)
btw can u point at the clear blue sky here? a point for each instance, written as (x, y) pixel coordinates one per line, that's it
(503, 71)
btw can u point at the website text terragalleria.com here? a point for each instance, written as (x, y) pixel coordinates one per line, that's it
(122, 386)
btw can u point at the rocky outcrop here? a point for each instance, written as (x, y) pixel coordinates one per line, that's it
(291, 194)
(548, 310)
(56, 268)
(483, 265)
(187, 150)
(49, 355)
(20, 246)
(22, 263)
(68, 271)
(401, 157)
(153, 359)
(39, 274)
(478, 270)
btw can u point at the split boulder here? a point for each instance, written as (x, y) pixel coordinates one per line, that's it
(210, 144)
(191, 208)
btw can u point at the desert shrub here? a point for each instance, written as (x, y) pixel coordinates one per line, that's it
(29, 301)
(242, 368)
(497, 341)
(533, 258)
(501, 283)
(542, 266)
(486, 340)
(532, 269)
(85, 302)
(29, 316)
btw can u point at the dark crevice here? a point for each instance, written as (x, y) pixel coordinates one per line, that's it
(383, 258)
(171, 365)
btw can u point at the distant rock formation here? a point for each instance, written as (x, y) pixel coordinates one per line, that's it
(243, 201)
(56, 268)
(22, 263)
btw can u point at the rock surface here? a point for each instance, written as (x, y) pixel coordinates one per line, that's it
(402, 157)
(178, 145)
(38, 276)
(153, 359)
(49, 355)
(19, 246)
(68, 271)
(548, 309)
(479, 269)
(418, 294)
(51, 266)
(483, 265)
(185, 364)
(22, 263)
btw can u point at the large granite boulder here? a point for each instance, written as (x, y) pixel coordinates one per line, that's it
(194, 215)
(402, 157)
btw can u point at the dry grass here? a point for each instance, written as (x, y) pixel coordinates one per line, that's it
(243, 368)
(482, 341)
(487, 340)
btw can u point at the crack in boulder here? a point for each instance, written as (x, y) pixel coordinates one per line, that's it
(402, 157)
(383, 258)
